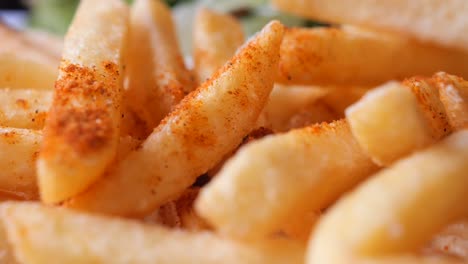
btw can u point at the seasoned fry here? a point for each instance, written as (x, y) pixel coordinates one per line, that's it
(387, 115)
(340, 98)
(82, 128)
(157, 77)
(283, 177)
(18, 152)
(37, 232)
(24, 108)
(453, 92)
(431, 106)
(348, 56)
(216, 38)
(409, 202)
(442, 22)
(205, 126)
(285, 101)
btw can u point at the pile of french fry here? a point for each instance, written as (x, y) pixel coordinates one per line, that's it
(338, 144)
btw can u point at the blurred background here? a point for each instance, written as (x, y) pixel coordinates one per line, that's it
(54, 16)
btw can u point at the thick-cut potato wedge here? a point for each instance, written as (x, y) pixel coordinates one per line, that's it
(452, 240)
(205, 126)
(283, 177)
(350, 56)
(216, 38)
(453, 92)
(24, 108)
(429, 102)
(157, 77)
(397, 210)
(285, 101)
(82, 126)
(388, 123)
(443, 22)
(38, 233)
(18, 152)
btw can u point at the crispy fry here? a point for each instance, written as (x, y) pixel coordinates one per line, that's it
(188, 217)
(24, 108)
(283, 177)
(340, 98)
(431, 106)
(387, 115)
(216, 38)
(37, 232)
(348, 56)
(453, 92)
(443, 22)
(409, 202)
(18, 152)
(157, 77)
(285, 101)
(82, 128)
(205, 126)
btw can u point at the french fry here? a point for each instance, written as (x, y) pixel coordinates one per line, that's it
(389, 124)
(315, 112)
(24, 108)
(82, 127)
(453, 92)
(402, 218)
(39, 233)
(216, 38)
(49, 43)
(442, 22)
(19, 72)
(283, 177)
(285, 101)
(205, 126)
(157, 77)
(340, 98)
(23, 65)
(348, 56)
(427, 95)
(452, 240)
(18, 152)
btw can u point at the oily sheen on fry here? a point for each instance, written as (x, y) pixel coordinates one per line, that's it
(209, 123)
(283, 177)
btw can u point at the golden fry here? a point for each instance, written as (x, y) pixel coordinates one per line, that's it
(397, 210)
(24, 108)
(206, 125)
(37, 233)
(283, 177)
(82, 127)
(442, 22)
(348, 56)
(216, 38)
(157, 77)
